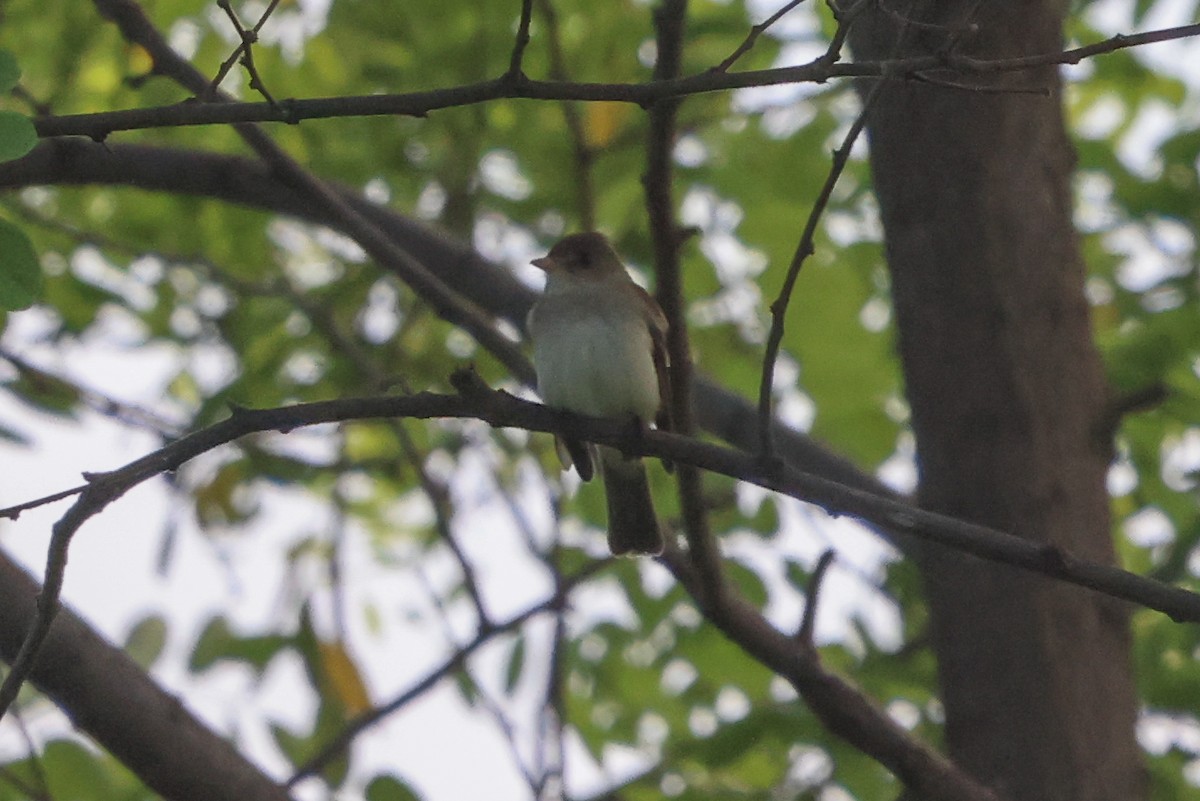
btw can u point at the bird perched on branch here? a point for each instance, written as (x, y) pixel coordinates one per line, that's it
(599, 347)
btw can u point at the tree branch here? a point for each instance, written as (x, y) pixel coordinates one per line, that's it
(808, 623)
(503, 410)
(752, 37)
(419, 104)
(583, 152)
(342, 740)
(670, 20)
(109, 697)
(138, 29)
(804, 249)
(520, 43)
(843, 709)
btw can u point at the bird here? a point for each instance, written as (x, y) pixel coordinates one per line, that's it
(599, 348)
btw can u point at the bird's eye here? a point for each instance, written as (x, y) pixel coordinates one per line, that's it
(584, 259)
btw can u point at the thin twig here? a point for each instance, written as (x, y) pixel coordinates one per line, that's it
(845, 19)
(337, 583)
(904, 19)
(138, 29)
(35, 759)
(804, 249)
(342, 740)
(808, 623)
(436, 493)
(522, 41)
(752, 37)
(243, 53)
(121, 411)
(13, 512)
(925, 77)
(554, 706)
(491, 706)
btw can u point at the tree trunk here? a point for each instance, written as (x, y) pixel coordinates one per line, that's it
(1007, 395)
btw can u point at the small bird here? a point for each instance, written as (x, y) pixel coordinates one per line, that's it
(599, 348)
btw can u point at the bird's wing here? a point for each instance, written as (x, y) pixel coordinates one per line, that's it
(656, 321)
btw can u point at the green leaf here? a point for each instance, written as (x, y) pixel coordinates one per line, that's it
(147, 639)
(218, 642)
(73, 771)
(516, 663)
(389, 788)
(10, 73)
(20, 273)
(17, 135)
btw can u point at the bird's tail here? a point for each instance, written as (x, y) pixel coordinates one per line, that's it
(632, 523)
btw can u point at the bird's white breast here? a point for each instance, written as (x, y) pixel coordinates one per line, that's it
(593, 352)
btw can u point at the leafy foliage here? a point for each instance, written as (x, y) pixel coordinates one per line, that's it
(291, 312)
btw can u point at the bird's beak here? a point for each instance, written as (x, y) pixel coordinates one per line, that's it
(544, 263)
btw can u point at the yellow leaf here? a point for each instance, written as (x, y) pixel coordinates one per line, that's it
(344, 679)
(140, 61)
(602, 121)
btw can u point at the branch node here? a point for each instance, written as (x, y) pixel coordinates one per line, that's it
(467, 382)
(1053, 558)
(237, 410)
(1119, 406)
(769, 464)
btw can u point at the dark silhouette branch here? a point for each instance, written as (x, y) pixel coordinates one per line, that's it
(244, 51)
(501, 409)
(807, 247)
(342, 740)
(246, 181)
(670, 20)
(808, 623)
(752, 37)
(419, 104)
(520, 43)
(108, 696)
(581, 148)
(842, 708)
(136, 27)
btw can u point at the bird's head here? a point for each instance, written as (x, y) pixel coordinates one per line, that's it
(585, 256)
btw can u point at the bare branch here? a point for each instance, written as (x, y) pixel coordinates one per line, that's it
(522, 41)
(138, 29)
(340, 742)
(504, 410)
(583, 152)
(842, 708)
(804, 635)
(13, 512)
(111, 699)
(804, 249)
(670, 20)
(419, 104)
(752, 37)
(118, 410)
(245, 50)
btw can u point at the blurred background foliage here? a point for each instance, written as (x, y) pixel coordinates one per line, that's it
(261, 311)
